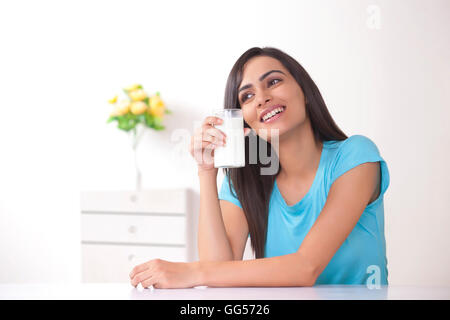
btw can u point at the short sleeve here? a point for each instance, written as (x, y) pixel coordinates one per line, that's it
(226, 194)
(357, 150)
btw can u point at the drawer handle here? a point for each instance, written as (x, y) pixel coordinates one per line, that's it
(132, 229)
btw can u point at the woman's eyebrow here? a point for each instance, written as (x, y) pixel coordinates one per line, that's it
(260, 79)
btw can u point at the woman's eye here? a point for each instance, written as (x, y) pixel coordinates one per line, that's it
(274, 81)
(245, 96)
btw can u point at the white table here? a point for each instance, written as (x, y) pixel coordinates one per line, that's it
(124, 291)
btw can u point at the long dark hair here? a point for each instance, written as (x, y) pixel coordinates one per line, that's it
(253, 189)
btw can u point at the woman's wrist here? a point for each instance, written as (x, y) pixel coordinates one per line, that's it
(199, 273)
(207, 172)
(202, 269)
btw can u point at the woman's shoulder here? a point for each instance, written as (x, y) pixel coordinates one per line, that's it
(346, 154)
(357, 143)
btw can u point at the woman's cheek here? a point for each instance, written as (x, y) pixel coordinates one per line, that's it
(249, 115)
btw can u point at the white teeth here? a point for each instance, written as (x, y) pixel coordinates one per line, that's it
(271, 114)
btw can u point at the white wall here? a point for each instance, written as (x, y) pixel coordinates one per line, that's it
(382, 67)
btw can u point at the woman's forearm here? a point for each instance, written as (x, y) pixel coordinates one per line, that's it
(213, 242)
(290, 270)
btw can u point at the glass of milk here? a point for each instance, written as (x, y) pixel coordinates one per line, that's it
(232, 155)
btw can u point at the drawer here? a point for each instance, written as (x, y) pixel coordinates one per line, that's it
(148, 201)
(113, 263)
(127, 228)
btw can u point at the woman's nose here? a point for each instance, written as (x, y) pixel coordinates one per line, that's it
(260, 102)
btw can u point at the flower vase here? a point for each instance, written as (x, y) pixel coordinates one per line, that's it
(136, 135)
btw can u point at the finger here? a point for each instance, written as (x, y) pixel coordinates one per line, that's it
(202, 155)
(212, 121)
(213, 134)
(218, 141)
(200, 142)
(148, 283)
(142, 276)
(199, 146)
(138, 269)
(207, 154)
(202, 150)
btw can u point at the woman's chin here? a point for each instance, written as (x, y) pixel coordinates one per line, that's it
(270, 134)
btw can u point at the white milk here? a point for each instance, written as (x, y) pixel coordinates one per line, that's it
(232, 155)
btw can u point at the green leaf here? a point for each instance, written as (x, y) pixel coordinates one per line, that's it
(157, 124)
(141, 118)
(158, 127)
(122, 125)
(167, 111)
(127, 122)
(111, 119)
(157, 121)
(149, 120)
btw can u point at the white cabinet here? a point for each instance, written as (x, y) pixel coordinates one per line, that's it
(120, 229)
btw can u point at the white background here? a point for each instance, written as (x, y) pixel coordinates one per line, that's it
(381, 66)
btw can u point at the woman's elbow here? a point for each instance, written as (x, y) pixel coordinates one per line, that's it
(311, 281)
(308, 273)
(307, 280)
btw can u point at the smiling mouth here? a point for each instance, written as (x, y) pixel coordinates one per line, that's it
(273, 115)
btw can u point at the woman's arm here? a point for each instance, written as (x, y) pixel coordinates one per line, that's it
(347, 199)
(284, 271)
(213, 242)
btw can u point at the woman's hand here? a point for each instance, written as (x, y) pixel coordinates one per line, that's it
(203, 142)
(205, 139)
(163, 274)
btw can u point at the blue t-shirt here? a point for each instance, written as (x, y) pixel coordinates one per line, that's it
(363, 253)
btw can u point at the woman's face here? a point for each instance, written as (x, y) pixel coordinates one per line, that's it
(267, 85)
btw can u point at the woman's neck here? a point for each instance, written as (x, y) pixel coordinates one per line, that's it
(299, 153)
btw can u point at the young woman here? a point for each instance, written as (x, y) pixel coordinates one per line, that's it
(318, 220)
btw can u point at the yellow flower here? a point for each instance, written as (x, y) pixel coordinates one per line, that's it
(132, 87)
(123, 107)
(157, 106)
(137, 95)
(113, 100)
(138, 107)
(116, 112)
